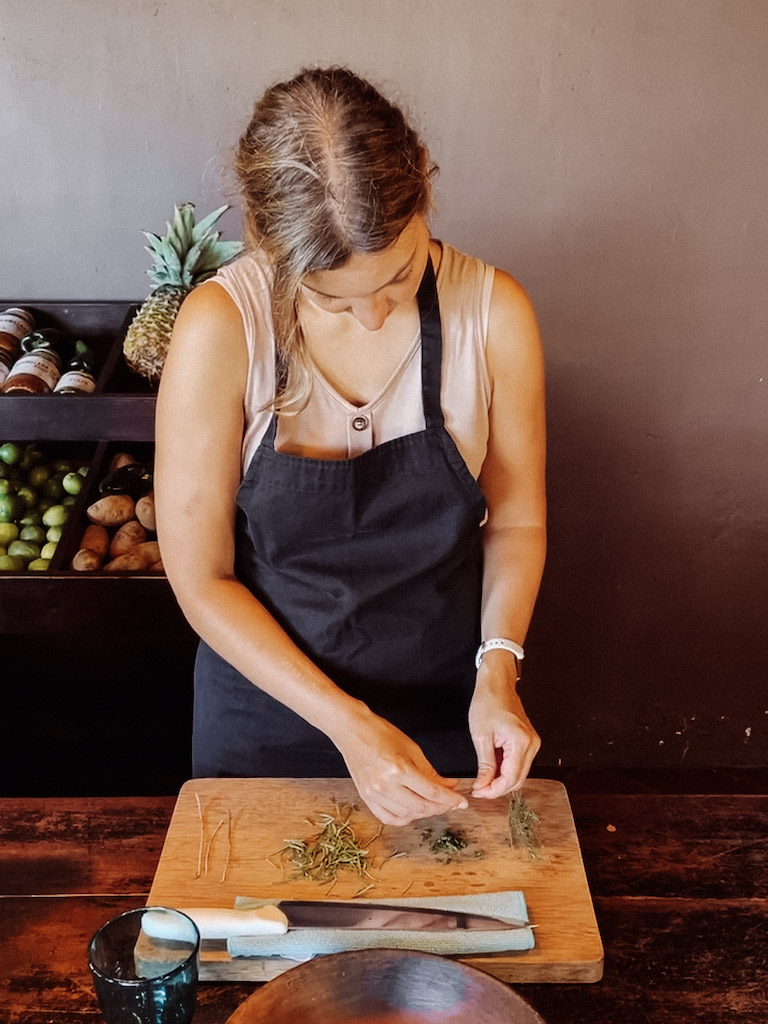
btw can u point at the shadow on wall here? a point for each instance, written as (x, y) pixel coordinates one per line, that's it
(648, 645)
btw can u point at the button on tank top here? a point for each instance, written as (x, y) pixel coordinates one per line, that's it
(330, 427)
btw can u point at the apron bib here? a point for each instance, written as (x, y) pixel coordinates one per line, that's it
(372, 565)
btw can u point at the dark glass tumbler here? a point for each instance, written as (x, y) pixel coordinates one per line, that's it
(139, 976)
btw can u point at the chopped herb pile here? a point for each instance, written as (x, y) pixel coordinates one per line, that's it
(449, 841)
(523, 825)
(321, 857)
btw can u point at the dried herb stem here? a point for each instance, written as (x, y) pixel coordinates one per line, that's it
(229, 846)
(202, 836)
(210, 843)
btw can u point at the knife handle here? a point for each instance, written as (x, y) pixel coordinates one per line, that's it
(216, 923)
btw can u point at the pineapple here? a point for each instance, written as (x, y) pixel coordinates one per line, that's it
(185, 256)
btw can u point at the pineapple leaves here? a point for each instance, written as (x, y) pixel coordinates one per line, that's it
(188, 253)
(203, 227)
(185, 215)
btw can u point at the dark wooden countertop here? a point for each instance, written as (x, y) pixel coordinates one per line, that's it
(679, 880)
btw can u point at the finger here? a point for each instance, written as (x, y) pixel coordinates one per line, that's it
(437, 791)
(398, 801)
(386, 814)
(533, 750)
(408, 801)
(512, 772)
(392, 814)
(486, 762)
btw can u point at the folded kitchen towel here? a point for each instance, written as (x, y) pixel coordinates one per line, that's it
(304, 943)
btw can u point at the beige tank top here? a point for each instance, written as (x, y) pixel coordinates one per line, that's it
(330, 427)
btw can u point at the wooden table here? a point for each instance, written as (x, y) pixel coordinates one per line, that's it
(680, 883)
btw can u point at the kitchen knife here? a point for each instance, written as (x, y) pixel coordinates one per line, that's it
(277, 918)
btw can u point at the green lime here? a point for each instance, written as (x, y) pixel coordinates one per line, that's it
(39, 564)
(8, 532)
(56, 515)
(11, 563)
(69, 501)
(28, 495)
(83, 470)
(25, 549)
(7, 486)
(34, 533)
(53, 488)
(10, 453)
(32, 517)
(72, 483)
(54, 534)
(11, 507)
(37, 476)
(48, 550)
(33, 455)
(62, 466)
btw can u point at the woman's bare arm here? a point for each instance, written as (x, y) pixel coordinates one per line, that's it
(199, 429)
(514, 537)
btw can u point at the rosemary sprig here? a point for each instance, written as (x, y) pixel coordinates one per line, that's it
(335, 847)
(523, 825)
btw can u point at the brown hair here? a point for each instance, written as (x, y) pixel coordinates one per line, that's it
(327, 167)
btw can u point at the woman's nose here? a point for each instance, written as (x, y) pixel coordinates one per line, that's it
(372, 312)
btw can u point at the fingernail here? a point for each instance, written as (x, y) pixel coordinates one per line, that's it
(462, 806)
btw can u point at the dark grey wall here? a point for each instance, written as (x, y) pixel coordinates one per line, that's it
(613, 155)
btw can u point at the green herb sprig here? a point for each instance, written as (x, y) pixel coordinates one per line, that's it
(523, 825)
(322, 857)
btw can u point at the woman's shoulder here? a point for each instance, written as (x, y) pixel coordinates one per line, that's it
(457, 265)
(235, 302)
(251, 266)
(505, 293)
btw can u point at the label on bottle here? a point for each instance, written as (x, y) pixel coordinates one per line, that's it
(16, 322)
(75, 381)
(42, 363)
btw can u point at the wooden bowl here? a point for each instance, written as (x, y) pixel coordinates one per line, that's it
(384, 986)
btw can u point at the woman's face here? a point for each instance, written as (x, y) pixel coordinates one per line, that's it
(371, 285)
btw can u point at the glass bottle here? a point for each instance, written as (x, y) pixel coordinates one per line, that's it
(15, 324)
(37, 370)
(78, 378)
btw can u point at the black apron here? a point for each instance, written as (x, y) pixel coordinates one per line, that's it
(372, 565)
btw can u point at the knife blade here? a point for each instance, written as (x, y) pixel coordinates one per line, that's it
(277, 918)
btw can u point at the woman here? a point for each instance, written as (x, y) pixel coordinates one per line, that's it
(350, 472)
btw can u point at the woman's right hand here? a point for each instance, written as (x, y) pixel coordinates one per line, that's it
(392, 775)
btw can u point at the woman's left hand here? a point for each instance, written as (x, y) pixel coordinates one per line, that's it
(504, 739)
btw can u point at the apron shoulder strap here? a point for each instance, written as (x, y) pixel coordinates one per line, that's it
(431, 346)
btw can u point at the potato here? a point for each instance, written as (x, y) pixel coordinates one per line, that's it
(130, 562)
(87, 560)
(114, 510)
(145, 511)
(127, 537)
(120, 460)
(96, 539)
(149, 551)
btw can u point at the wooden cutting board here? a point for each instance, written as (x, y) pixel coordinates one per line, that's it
(246, 823)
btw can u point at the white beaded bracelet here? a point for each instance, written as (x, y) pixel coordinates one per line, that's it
(499, 643)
